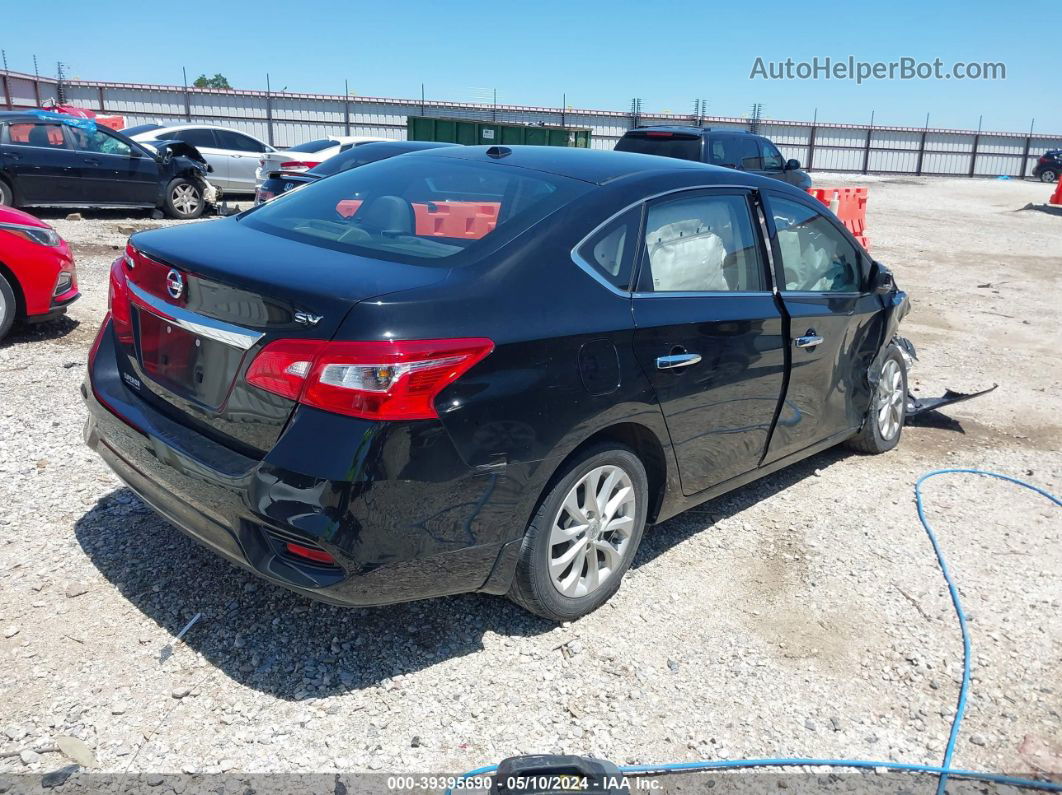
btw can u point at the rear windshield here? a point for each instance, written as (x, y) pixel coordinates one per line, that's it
(140, 128)
(313, 146)
(663, 144)
(352, 158)
(417, 208)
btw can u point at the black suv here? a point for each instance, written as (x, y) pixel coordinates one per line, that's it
(730, 148)
(1049, 166)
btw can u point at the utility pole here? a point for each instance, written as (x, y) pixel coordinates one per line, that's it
(636, 111)
(59, 90)
(755, 116)
(269, 110)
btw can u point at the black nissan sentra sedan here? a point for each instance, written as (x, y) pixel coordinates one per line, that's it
(484, 369)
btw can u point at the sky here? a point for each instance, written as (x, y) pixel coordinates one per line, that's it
(599, 55)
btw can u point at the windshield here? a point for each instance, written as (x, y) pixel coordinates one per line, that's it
(416, 209)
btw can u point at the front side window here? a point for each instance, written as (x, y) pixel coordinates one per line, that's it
(99, 142)
(416, 209)
(610, 252)
(772, 158)
(703, 243)
(816, 257)
(749, 153)
(49, 136)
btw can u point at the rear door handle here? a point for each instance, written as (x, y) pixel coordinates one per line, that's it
(91, 161)
(808, 341)
(677, 360)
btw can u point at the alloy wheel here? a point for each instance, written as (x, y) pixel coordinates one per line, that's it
(185, 198)
(890, 400)
(592, 531)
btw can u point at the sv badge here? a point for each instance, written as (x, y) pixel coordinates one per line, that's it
(308, 318)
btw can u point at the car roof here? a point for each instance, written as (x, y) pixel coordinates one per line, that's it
(597, 166)
(192, 126)
(683, 128)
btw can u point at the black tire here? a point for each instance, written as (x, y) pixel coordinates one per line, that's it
(180, 211)
(8, 306)
(1048, 175)
(872, 439)
(6, 195)
(532, 587)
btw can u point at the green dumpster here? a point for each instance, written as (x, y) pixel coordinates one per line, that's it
(472, 132)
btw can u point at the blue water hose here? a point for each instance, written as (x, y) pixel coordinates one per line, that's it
(944, 770)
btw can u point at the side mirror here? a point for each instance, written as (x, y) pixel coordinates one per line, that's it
(881, 280)
(792, 165)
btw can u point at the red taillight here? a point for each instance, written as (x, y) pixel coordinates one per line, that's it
(1045, 159)
(299, 165)
(316, 555)
(385, 380)
(118, 298)
(660, 134)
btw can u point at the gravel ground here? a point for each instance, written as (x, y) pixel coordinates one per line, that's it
(802, 615)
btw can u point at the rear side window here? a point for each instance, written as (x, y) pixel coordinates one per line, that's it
(236, 142)
(665, 144)
(48, 136)
(724, 150)
(195, 137)
(610, 251)
(701, 243)
(416, 209)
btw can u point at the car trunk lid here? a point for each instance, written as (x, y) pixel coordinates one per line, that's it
(205, 298)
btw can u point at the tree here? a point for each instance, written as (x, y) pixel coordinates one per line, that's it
(217, 81)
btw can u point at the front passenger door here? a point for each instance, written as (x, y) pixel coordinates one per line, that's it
(834, 329)
(114, 171)
(709, 332)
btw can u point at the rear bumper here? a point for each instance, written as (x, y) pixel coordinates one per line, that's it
(398, 530)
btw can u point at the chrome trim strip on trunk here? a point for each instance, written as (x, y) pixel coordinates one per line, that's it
(218, 330)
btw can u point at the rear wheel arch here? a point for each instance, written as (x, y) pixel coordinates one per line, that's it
(641, 440)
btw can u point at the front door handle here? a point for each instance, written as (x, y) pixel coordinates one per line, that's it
(809, 340)
(677, 360)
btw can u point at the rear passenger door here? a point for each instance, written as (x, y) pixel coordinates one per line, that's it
(709, 332)
(43, 166)
(835, 324)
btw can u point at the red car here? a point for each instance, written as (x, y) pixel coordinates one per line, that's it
(38, 280)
